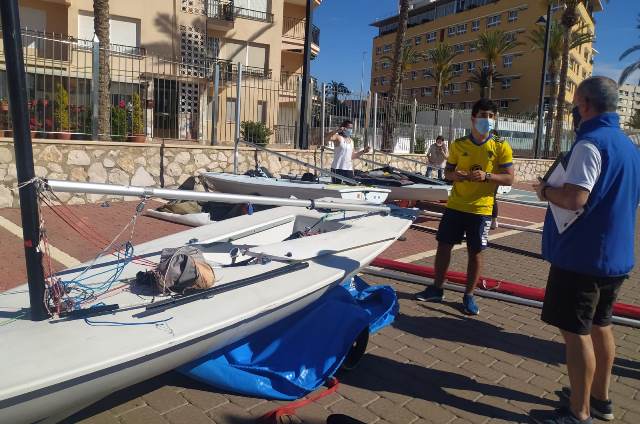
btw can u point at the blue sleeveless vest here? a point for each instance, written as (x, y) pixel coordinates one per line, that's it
(601, 241)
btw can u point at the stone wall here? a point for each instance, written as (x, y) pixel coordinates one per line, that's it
(139, 164)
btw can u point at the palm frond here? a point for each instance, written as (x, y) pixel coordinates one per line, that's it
(628, 71)
(629, 51)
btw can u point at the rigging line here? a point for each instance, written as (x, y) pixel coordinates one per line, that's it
(124, 324)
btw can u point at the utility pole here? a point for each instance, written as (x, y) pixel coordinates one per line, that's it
(303, 133)
(543, 77)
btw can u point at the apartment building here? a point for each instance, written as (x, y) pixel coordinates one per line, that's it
(459, 23)
(166, 51)
(628, 103)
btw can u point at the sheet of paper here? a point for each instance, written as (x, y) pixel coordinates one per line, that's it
(562, 217)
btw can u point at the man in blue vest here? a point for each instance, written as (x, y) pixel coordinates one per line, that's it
(591, 256)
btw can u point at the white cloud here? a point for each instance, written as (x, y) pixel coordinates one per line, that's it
(613, 70)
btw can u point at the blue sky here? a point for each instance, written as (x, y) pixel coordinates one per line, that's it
(346, 34)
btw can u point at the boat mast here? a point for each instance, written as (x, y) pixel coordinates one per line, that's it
(24, 156)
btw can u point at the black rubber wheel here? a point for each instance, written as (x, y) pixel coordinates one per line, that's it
(342, 419)
(357, 351)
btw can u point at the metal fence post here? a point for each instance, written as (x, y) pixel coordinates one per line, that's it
(451, 125)
(322, 123)
(414, 117)
(298, 106)
(214, 105)
(375, 125)
(95, 70)
(237, 135)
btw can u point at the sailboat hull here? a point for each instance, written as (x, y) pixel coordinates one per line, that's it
(53, 368)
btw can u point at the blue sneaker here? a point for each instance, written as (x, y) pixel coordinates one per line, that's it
(430, 294)
(470, 305)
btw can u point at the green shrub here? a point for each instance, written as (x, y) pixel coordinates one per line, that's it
(118, 123)
(137, 116)
(255, 132)
(420, 146)
(61, 109)
(357, 141)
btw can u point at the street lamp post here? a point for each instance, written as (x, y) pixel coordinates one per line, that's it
(538, 139)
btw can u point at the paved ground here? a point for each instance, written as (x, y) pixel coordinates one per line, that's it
(432, 365)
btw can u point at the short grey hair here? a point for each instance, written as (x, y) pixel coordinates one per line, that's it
(601, 92)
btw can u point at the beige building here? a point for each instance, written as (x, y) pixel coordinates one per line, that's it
(628, 103)
(459, 23)
(164, 49)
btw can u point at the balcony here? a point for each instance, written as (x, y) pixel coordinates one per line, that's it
(293, 31)
(315, 3)
(222, 14)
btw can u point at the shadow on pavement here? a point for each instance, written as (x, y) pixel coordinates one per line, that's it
(377, 373)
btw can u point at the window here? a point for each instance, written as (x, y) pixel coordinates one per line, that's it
(427, 91)
(262, 111)
(506, 83)
(122, 31)
(473, 47)
(455, 87)
(461, 29)
(471, 66)
(408, 42)
(485, 64)
(493, 21)
(386, 65)
(431, 37)
(459, 48)
(248, 54)
(511, 36)
(387, 48)
(468, 87)
(427, 73)
(416, 92)
(231, 109)
(418, 40)
(504, 104)
(383, 81)
(378, 50)
(507, 60)
(475, 25)
(513, 15)
(451, 31)
(414, 75)
(457, 69)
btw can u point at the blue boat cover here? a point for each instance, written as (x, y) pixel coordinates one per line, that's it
(296, 355)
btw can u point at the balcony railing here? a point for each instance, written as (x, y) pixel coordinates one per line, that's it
(222, 10)
(230, 68)
(226, 10)
(295, 28)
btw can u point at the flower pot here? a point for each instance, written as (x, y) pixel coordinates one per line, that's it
(138, 138)
(63, 136)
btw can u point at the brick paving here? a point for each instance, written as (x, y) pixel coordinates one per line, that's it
(433, 365)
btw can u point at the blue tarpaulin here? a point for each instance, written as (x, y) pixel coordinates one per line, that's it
(296, 355)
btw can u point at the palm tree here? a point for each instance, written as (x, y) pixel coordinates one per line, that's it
(410, 56)
(101, 29)
(570, 17)
(483, 79)
(634, 66)
(556, 39)
(394, 91)
(492, 45)
(441, 59)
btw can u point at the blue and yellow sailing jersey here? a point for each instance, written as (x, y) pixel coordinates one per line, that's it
(465, 154)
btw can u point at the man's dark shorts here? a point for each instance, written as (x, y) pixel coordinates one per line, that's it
(574, 302)
(344, 172)
(456, 224)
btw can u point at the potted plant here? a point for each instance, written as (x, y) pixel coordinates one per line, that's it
(255, 132)
(118, 122)
(61, 113)
(137, 121)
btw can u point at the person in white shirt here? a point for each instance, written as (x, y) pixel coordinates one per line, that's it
(344, 151)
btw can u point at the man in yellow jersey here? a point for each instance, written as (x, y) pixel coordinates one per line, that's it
(476, 164)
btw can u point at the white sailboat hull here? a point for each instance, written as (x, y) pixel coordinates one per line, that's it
(420, 192)
(52, 369)
(244, 184)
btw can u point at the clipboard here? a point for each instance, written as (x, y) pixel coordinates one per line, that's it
(555, 177)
